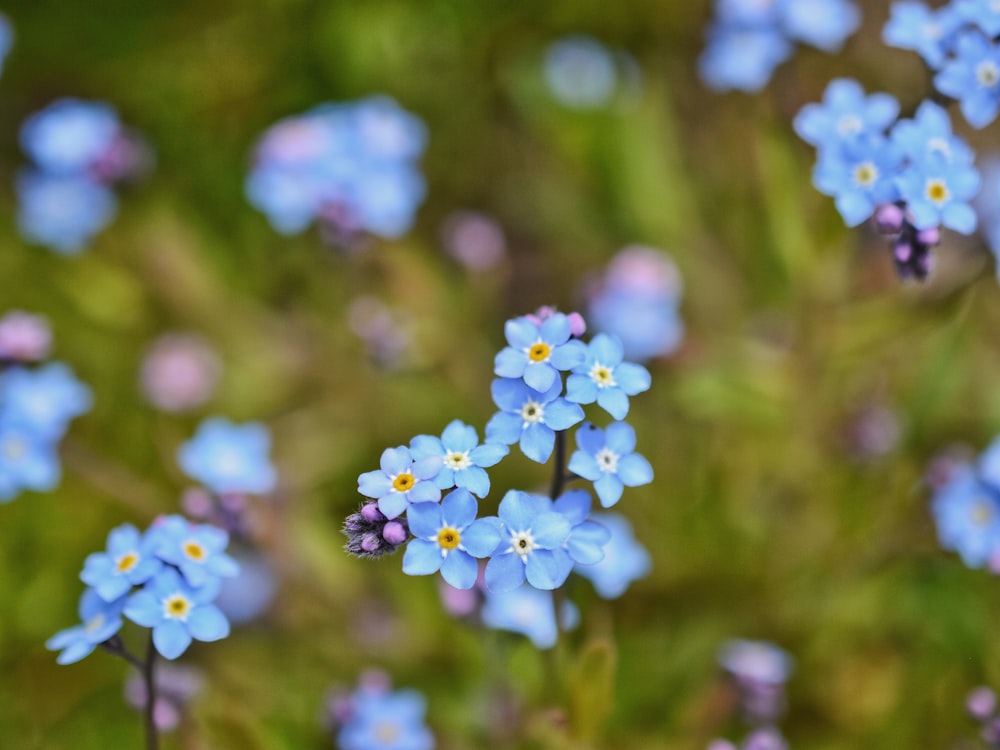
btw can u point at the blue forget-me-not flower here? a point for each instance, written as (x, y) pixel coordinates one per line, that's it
(531, 546)
(530, 417)
(100, 620)
(606, 378)
(608, 459)
(130, 560)
(463, 460)
(401, 480)
(229, 458)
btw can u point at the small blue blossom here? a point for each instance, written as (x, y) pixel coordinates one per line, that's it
(28, 460)
(929, 133)
(605, 378)
(401, 480)
(607, 458)
(928, 32)
(100, 621)
(531, 547)
(938, 191)
(247, 596)
(983, 13)
(538, 352)
(130, 560)
(587, 537)
(967, 514)
(860, 175)
(386, 721)
(824, 24)
(45, 399)
(845, 114)
(742, 58)
(69, 136)
(197, 550)
(177, 612)
(463, 459)
(581, 72)
(530, 612)
(229, 458)
(530, 417)
(625, 560)
(62, 212)
(973, 77)
(448, 537)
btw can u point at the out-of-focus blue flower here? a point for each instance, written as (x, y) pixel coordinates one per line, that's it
(62, 212)
(6, 39)
(100, 620)
(530, 417)
(401, 480)
(983, 13)
(352, 166)
(177, 612)
(928, 32)
(386, 721)
(973, 77)
(538, 352)
(742, 58)
(987, 205)
(929, 134)
(70, 136)
(530, 612)
(607, 458)
(586, 539)
(625, 560)
(937, 191)
(845, 114)
(463, 459)
(637, 301)
(605, 378)
(227, 457)
(44, 400)
(247, 596)
(448, 537)
(532, 538)
(581, 72)
(756, 661)
(130, 560)
(824, 24)
(197, 550)
(28, 460)
(967, 514)
(860, 175)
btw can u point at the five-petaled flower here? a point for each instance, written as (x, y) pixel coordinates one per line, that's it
(401, 480)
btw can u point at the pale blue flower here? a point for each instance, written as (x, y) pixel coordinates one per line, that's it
(463, 460)
(228, 457)
(538, 353)
(530, 417)
(130, 560)
(581, 72)
(530, 612)
(967, 514)
(401, 480)
(824, 24)
(100, 621)
(929, 32)
(69, 136)
(197, 550)
(860, 175)
(28, 460)
(43, 399)
(587, 537)
(62, 212)
(742, 58)
(605, 378)
(973, 77)
(625, 559)
(386, 721)
(983, 13)
(845, 114)
(608, 459)
(929, 133)
(938, 191)
(532, 538)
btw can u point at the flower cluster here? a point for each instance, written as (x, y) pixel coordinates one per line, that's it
(36, 406)
(165, 578)
(351, 168)
(373, 716)
(958, 41)
(748, 39)
(759, 671)
(426, 495)
(912, 176)
(79, 150)
(966, 509)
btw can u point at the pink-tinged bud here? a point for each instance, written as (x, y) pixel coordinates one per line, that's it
(929, 237)
(371, 543)
(24, 337)
(577, 325)
(233, 502)
(394, 532)
(902, 251)
(889, 219)
(371, 513)
(197, 503)
(179, 372)
(981, 703)
(474, 240)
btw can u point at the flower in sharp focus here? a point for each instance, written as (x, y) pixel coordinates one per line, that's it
(531, 546)
(100, 621)
(530, 612)
(845, 113)
(228, 457)
(177, 612)
(463, 459)
(930, 32)
(937, 191)
(448, 537)
(608, 459)
(197, 550)
(401, 480)
(45, 399)
(130, 560)
(973, 77)
(530, 417)
(605, 378)
(386, 721)
(625, 560)
(537, 353)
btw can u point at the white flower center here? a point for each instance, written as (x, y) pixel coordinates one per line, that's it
(532, 411)
(607, 460)
(522, 543)
(457, 460)
(603, 375)
(987, 74)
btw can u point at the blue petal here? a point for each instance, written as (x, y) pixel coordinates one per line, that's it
(505, 428)
(144, 608)
(632, 378)
(634, 470)
(207, 623)
(427, 467)
(581, 389)
(424, 519)
(555, 329)
(482, 537)
(517, 510)
(75, 652)
(171, 638)
(589, 437)
(473, 479)
(548, 569)
(488, 455)
(425, 445)
(459, 570)
(959, 217)
(421, 558)
(609, 489)
(537, 441)
(561, 414)
(510, 363)
(585, 465)
(392, 505)
(459, 509)
(607, 350)
(458, 436)
(855, 206)
(374, 484)
(575, 505)
(424, 492)
(521, 333)
(509, 394)
(614, 402)
(540, 376)
(504, 573)
(395, 460)
(620, 437)
(550, 529)
(569, 355)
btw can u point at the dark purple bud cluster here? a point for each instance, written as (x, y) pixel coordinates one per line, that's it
(911, 247)
(370, 534)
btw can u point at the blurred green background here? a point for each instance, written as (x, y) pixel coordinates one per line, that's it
(764, 520)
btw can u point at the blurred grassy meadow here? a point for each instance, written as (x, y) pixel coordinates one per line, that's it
(770, 516)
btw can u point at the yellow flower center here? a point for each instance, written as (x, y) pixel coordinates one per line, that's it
(386, 732)
(176, 607)
(457, 460)
(937, 191)
(194, 550)
(602, 375)
(865, 174)
(982, 512)
(403, 482)
(539, 352)
(449, 538)
(94, 624)
(126, 562)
